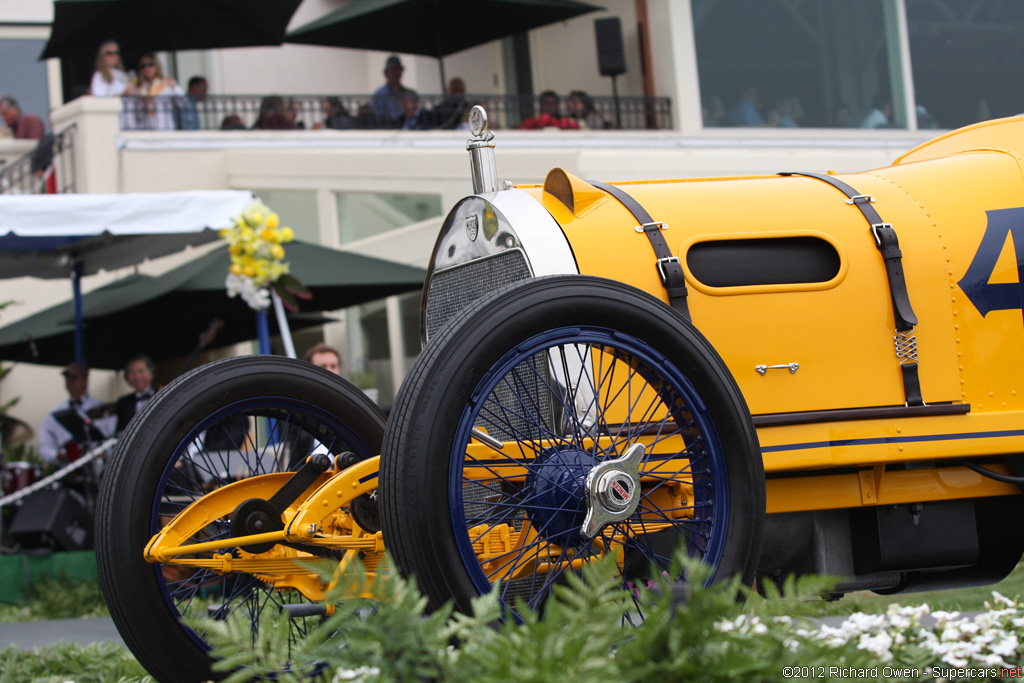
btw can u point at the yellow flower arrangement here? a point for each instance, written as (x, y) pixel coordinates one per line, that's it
(257, 259)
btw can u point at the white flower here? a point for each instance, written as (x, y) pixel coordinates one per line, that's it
(1005, 647)
(363, 673)
(257, 298)
(879, 645)
(1000, 599)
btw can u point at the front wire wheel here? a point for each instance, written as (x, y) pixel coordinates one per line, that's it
(224, 422)
(559, 421)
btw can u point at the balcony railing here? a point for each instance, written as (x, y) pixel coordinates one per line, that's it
(427, 112)
(48, 169)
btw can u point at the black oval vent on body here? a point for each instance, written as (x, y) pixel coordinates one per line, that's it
(763, 261)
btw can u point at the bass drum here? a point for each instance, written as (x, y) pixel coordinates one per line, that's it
(223, 422)
(15, 476)
(558, 421)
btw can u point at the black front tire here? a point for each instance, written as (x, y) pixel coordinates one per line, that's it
(567, 372)
(225, 421)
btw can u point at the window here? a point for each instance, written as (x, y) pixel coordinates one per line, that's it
(362, 215)
(297, 209)
(968, 60)
(24, 76)
(798, 63)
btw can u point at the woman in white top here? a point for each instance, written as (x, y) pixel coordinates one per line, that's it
(109, 80)
(155, 111)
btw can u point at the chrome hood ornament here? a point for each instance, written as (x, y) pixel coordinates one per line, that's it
(481, 153)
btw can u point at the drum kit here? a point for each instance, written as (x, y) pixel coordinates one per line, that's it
(18, 475)
(25, 494)
(27, 500)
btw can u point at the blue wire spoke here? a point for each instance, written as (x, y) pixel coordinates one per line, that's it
(230, 439)
(570, 404)
(540, 539)
(640, 544)
(184, 590)
(514, 559)
(654, 402)
(591, 389)
(263, 601)
(634, 428)
(563, 565)
(534, 390)
(201, 459)
(532, 465)
(690, 531)
(604, 381)
(602, 399)
(526, 507)
(554, 390)
(524, 396)
(506, 423)
(664, 512)
(490, 467)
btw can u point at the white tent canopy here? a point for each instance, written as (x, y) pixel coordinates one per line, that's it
(42, 235)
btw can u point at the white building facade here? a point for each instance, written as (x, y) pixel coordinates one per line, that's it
(755, 87)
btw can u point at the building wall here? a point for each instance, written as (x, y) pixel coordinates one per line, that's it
(311, 170)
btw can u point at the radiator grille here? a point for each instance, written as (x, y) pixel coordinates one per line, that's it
(454, 289)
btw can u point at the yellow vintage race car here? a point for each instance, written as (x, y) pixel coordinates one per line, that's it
(787, 374)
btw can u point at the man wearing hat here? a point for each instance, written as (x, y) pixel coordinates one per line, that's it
(75, 424)
(388, 100)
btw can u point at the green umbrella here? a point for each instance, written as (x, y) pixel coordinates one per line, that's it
(163, 316)
(434, 28)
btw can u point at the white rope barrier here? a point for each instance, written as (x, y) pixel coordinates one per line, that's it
(90, 455)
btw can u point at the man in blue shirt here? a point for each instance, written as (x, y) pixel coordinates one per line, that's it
(387, 101)
(189, 115)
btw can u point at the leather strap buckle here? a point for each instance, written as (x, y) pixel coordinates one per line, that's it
(662, 262)
(882, 232)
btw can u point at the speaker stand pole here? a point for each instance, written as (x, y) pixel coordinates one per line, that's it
(615, 96)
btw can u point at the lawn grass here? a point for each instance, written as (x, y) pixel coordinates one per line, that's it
(57, 598)
(61, 662)
(959, 599)
(109, 662)
(63, 598)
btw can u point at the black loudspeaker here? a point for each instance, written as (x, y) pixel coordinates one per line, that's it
(611, 59)
(53, 518)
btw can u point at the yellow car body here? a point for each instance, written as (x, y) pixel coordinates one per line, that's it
(841, 331)
(815, 356)
(839, 392)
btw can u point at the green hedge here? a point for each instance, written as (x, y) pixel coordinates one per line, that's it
(19, 572)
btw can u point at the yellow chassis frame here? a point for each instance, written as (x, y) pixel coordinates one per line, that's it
(320, 518)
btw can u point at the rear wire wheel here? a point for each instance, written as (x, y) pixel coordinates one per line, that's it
(224, 422)
(533, 392)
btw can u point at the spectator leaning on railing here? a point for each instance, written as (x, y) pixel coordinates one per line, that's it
(23, 126)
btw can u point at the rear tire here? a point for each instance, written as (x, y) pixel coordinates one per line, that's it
(544, 366)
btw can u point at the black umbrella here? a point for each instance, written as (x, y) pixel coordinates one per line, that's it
(139, 26)
(163, 316)
(433, 28)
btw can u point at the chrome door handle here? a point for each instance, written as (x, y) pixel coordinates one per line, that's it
(763, 369)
